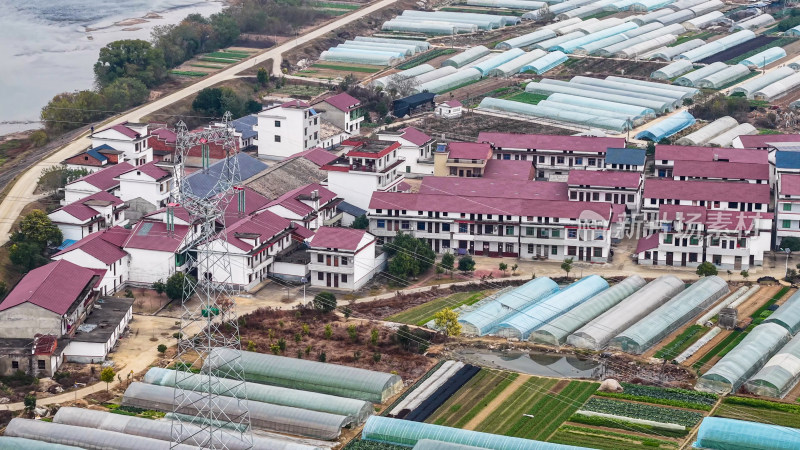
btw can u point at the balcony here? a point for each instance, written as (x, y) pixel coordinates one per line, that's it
(343, 165)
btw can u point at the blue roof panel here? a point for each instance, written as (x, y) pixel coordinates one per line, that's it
(667, 127)
(353, 210)
(787, 160)
(244, 125)
(631, 156)
(202, 183)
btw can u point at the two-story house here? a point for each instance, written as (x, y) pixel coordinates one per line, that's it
(626, 159)
(787, 207)
(129, 138)
(342, 110)
(94, 159)
(311, 206)
(105, 179)
(145, 189)
(712, 195)
(89, 214)
(461, 159)
(615, 187)
(371, 166)
(102, 250)
(667, 157)
(415, 146)
(343, 258)
(286, 129)
(158, 248)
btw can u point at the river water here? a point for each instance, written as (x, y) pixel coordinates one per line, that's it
(49, 46)
(533, 363)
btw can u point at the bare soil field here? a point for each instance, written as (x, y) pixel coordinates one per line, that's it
(737, 50)
(469, 125)
(602, 67)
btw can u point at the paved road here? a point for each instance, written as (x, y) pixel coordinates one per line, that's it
(22, 192)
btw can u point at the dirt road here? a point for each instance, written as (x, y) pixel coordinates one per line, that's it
(22, 191)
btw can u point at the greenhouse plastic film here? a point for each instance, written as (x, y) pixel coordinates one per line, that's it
(421, 45)
(706, 318)
(666, 98)
(684, 4)
(526, 39)
(709, 131)
(406, 49)
(594, 27)
(56, 433)
(718, 433)
(590, 111)
(440, 85)
(569, 46)
(407, 433)
(586, 10)
(633, 111)
(483, 21)
(788, 314)
(653, 89)
(780, 374)
(726, 139)
(649, 5)
(551, 44)
(691, 78)
(521, 324)
(428, 444)
(15, 443)
(671, 315)
(596, 46)
(445, 391)
(515, 65)
(574, 26)
(498, 59)
(514, 4)
(163, 430)
(556, 332)
(410, 73)
(596, 333)
(484, 319)
(668, 53)
(702, 52)
(466, 57)
(545, 63)
(778, 89)
(562, 24)
(584, 120)
(620, 5)
(266, 416)
(547, 87)
(727, 75)
(707, 7)
(667, 127)
(313, 376)
(434, 74)
(676, 17)
(568, 5)
(398, 54)
(792, 31)
(638, 49)
(683, 89)
(672, 70)
(357, 410)
(758, 21)
(651, 16)
(764, 58)
(423, 391)
(698, 23)
(441, 28)
(359, 58)
(674, 29)
(739, 364)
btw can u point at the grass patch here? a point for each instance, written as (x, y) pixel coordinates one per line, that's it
(627, 426)
(425, 57)
(420, 315)
(458, 405)
(218, 60)
(605, 440)
(335, 5)
(552, 410)
(527, 97)
(306, 91)
(768, 131)
(227, 55)
(664, 396)
(776, 43)
(755, 410)
(333, 12)
(188, 73)
(207, 66)
(342, 68)
(681, 342)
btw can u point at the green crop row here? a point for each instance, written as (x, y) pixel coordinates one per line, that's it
(664, 396)
(425, 57)
(227, 55)
(628, 426)
(358, 444)
(606, 440)
(681, 342)
(422, 314)
(552, 410)
(188, 73)
(343, 68)
(518, 403)
(764, 404)
(459, 403)
(480, 405)
(646, 412)
(218, 60)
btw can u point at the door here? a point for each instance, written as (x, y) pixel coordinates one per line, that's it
(336, 280)
(580, 253)
(328, 280)
(485, 248)
(683, 259)
(655, 258)
(669, 258)
(737, 263)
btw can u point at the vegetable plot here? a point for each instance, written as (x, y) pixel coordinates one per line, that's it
(681, 398)
(646, 412)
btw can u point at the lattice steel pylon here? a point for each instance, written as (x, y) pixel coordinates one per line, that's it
(208, 318)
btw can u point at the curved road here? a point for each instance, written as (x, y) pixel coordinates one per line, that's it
(22, 192)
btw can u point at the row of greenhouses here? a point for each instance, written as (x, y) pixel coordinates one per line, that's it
(720, 133)
(683, 66)
(713, 76)
(718, 46)
(766, 362)
(717, 433)
(374, 51)
(446, 23)
(667, 127)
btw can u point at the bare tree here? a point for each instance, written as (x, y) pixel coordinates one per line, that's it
(401, 85)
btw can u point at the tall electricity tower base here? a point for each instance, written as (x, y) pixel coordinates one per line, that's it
(213, 402)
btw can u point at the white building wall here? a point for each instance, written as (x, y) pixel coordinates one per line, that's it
(133, 185)
(297, 131)
(78, 190)
(411, 165)
(148, 266)
(355, 188)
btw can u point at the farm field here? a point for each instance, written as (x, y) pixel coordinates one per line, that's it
(733, 52)
(606, 440)
(681, 342)
(680, 398)
(755, 410)
(643, 411)
(422, 314)
(462, 406)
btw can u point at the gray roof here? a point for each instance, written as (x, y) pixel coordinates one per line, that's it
(202, 183)
(245, 126)
(101, 323)
(353, 210)
(284, 176)
(632, 156)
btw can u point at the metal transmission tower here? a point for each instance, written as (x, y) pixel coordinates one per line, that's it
(208, 319)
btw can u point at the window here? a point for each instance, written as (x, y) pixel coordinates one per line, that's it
(344, 260)
(509, 231)
(733, 204)
(509, 247)
(646, 255)
(608, 197)
(596, 196)
(381, 223)
(560, 160)
(597, 252)
(277, 124)
(630, 198)
(462, 228)
(530, 231)
(445, 243)
(445, 227)
(15, 364)
(572, 250)
(668, 239)
(787, 206)
(787, 224)
(405, 224)
(41, 364)
(320, 258)
(344, 278)
(530, 248)
(277, 138)
(541, 159)
(694, 240)
(555, 233)
(572, 233)
(421, 226)
(488, 229)
(320, 276)
(591, 161)
(692, 257)
(553, 250)
(578, 161)
(573, 195)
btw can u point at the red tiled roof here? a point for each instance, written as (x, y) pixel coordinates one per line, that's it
(105, 178)
(706, 190)
(97, 246)
(44, 344)
(337, 238)
(763, 140)
(452, 103)
(152, 235)
(165, 134)
(690, 153)
(733, 220)
(489, 205)
(647, 243)
(292, 202)
(54, 287)
(508, 169)
(152, 170)
(790, 184)
(604, 178)
(374, 155)
(81, 211)
(403, 186)
(302, 232)
(343, 102)
(253, 201)
(318, 156)
(116, 235)
(265, 224)
(469, 150)
(294, 104)
(721, 169)
(121, 128)
(503, 188)
(551, 142)
(414, 136)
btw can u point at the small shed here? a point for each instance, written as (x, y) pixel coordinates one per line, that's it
(407, 105)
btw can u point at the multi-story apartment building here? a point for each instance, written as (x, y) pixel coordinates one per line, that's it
(553, 156)
(342, 110)
(415, 146)
(764, 141)
(461, 159)
(128, 138)
(685, 158)
(311, 206)
(787, 207)
(106, 179)
(343, 258)
(615, 187)
(371, 166)
(286, 129)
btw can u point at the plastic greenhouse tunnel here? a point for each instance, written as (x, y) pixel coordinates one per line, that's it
(597, 120)
(667, 127)
(429, 444)
(780, 374)
(788, 314)
(716, 433)
(313, 376)
(407, 433)
(15, 443)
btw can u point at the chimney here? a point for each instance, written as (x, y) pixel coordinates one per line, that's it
(205, 154)
(315, 194)
(171, 218)
(240, 199)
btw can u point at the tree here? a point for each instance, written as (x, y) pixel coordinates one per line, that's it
(262, 76)
(503, 267)
(215, 101)
(411, 256)
(159, 286)
(56, 177)
(439, 271)
(466, 264)
(448, 261)
(790, 242)
(360, 223)
(123, 93)
(133, 58)
(514, 268)
(744, 274)
(3, 290)
(38, 138)
(107, 376)
(161, 348)
(325, 302)
(566, 266)
(37, 228)
(447, 320)
(706, 269)
(70, 110)
(26, 255)
(30, 402)
(225, 29)
(175, 286)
